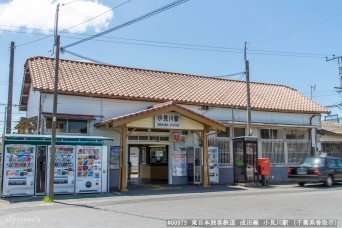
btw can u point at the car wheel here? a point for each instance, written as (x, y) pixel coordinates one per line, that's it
(301, 184)
(329, 181)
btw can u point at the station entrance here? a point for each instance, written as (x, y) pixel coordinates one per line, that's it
(164, 142)
(148, 163)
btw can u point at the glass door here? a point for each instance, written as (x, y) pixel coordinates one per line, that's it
(41, 170)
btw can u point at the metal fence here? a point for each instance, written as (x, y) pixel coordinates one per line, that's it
(223, 145)
(332, 149)
(273, 149)
(297, 150)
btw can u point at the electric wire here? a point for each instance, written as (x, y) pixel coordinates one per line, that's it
(64, 4)
(84, 57)
(47, 36)
(150, 14)
(111, 9)
(238, 50)
(230, 75)
(302, 28)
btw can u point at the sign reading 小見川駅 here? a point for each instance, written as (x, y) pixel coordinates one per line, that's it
(168, 120)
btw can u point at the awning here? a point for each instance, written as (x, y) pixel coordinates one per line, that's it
(170, 106)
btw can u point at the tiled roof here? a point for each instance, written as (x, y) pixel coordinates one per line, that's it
(331, 128)
(162, 106)
(98, 80)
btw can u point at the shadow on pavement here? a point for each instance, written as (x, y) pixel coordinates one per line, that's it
(136, 188)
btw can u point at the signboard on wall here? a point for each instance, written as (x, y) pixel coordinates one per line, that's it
(213, 164)
(179, 165)
(114, 157)
(168, 120)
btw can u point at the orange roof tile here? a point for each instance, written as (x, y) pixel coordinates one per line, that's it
(98, 80)
(331, 128)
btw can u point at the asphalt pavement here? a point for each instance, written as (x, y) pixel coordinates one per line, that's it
(156, 205)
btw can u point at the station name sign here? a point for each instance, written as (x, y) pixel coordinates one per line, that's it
(168, 120)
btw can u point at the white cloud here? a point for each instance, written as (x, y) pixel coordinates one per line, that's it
(40, 14)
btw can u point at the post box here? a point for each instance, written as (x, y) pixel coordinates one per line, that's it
(264, 166)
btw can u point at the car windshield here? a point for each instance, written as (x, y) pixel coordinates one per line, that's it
(316, 162)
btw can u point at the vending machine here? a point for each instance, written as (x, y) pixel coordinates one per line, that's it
(89, 169)
(64, 172)
(19, 164)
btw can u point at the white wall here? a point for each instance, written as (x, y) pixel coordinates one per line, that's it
(331, 138)
(239, 115)
(33, 103)
(109, 108)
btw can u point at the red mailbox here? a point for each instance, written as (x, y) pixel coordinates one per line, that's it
(264, 166)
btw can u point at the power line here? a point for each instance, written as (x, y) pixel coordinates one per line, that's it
(84, 57)
(230, 75)
(302, 28)
(150, 14)
(47, 36)
(111, 9)
(238, 50)
(64, 4)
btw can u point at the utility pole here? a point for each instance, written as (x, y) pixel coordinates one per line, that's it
(249, 116)
(54, 117)
(5, 119)
(339, 61)
(10, 91)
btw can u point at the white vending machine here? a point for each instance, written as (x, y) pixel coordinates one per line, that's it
(89, 169)
(64, 172)
(19, 164)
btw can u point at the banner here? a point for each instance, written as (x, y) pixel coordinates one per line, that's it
(213, 165)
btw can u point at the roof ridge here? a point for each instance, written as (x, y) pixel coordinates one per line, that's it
(161, 71)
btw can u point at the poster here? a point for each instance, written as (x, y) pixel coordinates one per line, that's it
(213, 164)
(179, 165)
(114, 157)
(179, 144)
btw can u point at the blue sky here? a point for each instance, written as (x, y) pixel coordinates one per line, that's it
(183, 38)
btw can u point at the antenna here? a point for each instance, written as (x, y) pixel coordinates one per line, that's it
(313, 88)
(339, 61)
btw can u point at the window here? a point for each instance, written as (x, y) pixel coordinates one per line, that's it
(238, 132)
(339, 163)
(297, 151)
(68, 126)
(77, 126)
(158, 155)
(164, 139)
(274, 150)
(224, 134)
(143, 155)
(332, 163)
(315, 162)
(133, 137)
(332, 149)
(295, 134)
(269, 133)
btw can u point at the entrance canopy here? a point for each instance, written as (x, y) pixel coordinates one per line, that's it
(192, 120)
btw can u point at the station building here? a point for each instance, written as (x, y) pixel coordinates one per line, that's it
(165, 125)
